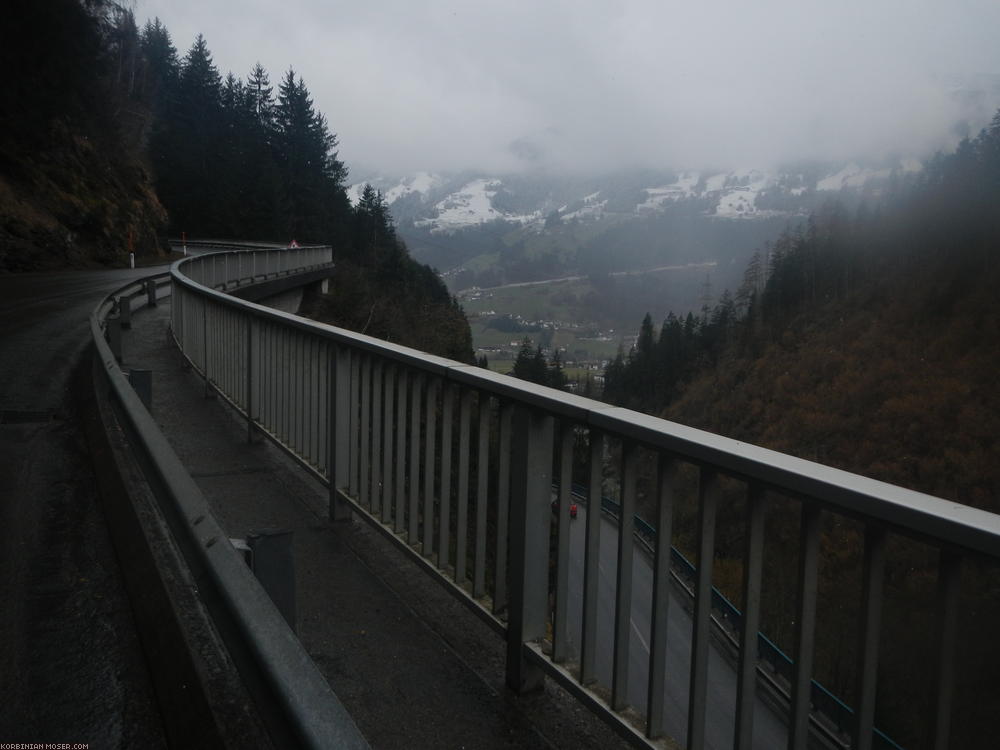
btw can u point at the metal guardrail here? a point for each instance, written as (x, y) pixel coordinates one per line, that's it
(456, 464)
(296, 695)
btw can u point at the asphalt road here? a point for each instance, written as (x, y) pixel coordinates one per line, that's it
(70, 665)
(769, 730)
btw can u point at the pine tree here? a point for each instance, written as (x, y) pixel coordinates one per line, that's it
(162, 64)
(259, 174)
(260, 101)
(306, 159)
(186, 150)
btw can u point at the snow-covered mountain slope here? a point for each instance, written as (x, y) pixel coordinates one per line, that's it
(448, 203)
(420, 183)
(470, 205)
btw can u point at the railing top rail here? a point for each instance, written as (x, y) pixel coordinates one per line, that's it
(942, 521)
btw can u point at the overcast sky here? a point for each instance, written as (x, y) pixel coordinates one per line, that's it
(589, 84)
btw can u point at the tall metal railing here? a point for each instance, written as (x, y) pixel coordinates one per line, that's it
(457, 464)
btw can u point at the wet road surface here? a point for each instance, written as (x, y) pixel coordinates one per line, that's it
(71, 669)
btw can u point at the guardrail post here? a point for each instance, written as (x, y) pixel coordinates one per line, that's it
(114, 335)
(124, 305)
(142, 383)
(530, 516)
(150, 293)
(274, 566)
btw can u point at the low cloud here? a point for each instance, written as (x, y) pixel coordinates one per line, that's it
(593, 85)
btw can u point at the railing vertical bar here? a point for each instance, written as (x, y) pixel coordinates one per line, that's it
(388, 461)
(276, 360)
(623, 591)
(798, 736)
(949, 581)
(447, 409)
(462, 497)
(298, 386)
(276, 378)
(305, 412)
(708, 490)
(314, 407)
(204, 343)
(281, 366)
(365, 433)
(231, 356)
(325, 372)
(413, 531)
(660, 605)
(276, 372)
(290, 395)
(309, 405)
(503, 507)
(266, 381)
(355, 424)
(591, 560)
(482, 495)
(400, 462)
(346, 404)
(298, 378)
(560, 623)
(530, 519)
(871, 623)
(250, 378)
(319, 409)
(225, 326)
(236, 358)
(337, 372)
(376, 460)
(430, 462)
(218, 357)
(276, 363)
(753, 564)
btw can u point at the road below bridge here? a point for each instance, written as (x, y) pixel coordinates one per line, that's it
(769, 730)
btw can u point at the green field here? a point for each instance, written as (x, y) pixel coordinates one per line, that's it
(586, 318)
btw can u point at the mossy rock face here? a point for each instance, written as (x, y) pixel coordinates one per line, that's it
(73, 205)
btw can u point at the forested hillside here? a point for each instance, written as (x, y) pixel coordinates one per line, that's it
(74, 187)
(381, 291)
(240, 158)
(866, 341)
(869, 341)
(110, 139)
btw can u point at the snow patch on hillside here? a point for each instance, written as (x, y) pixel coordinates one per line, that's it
(851, 176)
(420, 182)
(716, 182)
(592, 208)
(739, 199)
(472, 205)
(684, 187)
